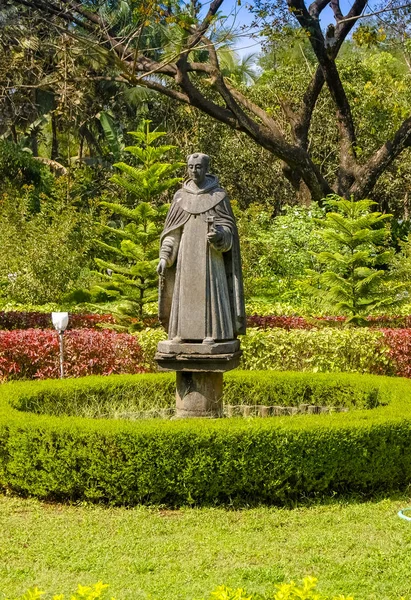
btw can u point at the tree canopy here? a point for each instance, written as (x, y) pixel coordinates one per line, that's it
(177, 50)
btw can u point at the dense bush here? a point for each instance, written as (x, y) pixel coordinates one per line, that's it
(127, 395)
(34, 354)
(271, 460)
(328, 349)
(46, 254)
(324, 350)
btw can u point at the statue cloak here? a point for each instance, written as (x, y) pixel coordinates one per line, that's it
(220, 301)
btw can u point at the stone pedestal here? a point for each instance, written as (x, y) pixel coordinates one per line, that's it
(199, 368)
(199, 394)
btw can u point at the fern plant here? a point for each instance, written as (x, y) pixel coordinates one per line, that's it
(353, 276)
(131, 242)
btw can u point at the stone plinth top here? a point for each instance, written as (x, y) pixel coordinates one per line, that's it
(192, 348)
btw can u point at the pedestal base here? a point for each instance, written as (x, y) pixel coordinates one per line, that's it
(200, 368)
(190, 357)
(199, 394)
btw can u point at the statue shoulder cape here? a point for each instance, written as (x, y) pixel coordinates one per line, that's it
(196, 204)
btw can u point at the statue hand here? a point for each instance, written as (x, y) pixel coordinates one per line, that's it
(214, 237)
(161, 268)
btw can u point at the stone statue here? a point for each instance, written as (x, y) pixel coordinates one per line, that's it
(201, 296)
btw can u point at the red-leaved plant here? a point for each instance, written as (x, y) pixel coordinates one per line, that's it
(399, 344)
(34, 353)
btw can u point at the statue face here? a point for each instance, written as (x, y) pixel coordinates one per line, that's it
(197, 169)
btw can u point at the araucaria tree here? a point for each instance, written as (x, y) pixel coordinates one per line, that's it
(173, 48)
(353, 276)
(131, 247)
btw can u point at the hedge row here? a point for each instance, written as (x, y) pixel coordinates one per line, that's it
(34, 353)
(127, 394)
(14, 319)
(237, 461)
(331, 350)
(294, 322)
(325, 350)
(37, 320)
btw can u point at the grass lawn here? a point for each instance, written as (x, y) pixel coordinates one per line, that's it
(362, 549)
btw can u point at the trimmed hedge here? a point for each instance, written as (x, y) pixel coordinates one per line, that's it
(294, 322)
(109, 397)
(14, 319)
(271, 460)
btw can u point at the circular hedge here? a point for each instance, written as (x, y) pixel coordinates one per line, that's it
(239, 460)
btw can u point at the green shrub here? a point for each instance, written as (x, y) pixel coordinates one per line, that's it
(148, 340)
(127, 395)
(237, 461)
(324, 350)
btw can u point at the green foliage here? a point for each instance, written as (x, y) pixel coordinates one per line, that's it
(46, 254)
(271, 460)
(401, 265)
(152, 178)
(132, 278)
(353, 276)
(133, 238)
(276, 251)
(148, 339)
(112, 134)
(127, 396)
(369, 35)
(19, 168)
(324, 350)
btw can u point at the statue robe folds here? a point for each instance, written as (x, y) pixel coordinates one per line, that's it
(201, 294)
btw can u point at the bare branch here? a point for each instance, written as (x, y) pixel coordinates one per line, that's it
(373, 14)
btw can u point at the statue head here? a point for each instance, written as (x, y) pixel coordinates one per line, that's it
(197, 167)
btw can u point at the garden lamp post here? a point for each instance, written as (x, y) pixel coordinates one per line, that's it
(60, 322)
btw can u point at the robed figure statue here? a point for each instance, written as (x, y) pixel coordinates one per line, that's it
(201, 295)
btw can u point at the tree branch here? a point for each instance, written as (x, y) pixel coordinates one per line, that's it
(203, 27)
(368, 175)
(325, 51)
(302, 124)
